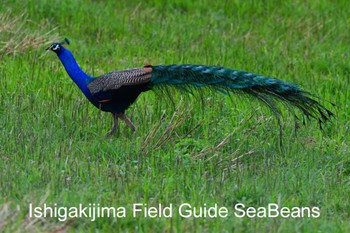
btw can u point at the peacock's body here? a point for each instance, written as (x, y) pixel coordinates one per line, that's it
(114, 92)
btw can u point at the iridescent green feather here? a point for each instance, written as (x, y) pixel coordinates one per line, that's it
(269, 90)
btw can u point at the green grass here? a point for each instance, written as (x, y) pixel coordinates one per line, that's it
(53, 147)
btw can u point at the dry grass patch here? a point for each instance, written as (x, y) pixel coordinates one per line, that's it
(19, 34)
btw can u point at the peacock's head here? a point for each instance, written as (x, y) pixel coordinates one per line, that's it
(57, 46)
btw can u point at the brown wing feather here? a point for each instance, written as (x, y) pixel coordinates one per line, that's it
(114, 80)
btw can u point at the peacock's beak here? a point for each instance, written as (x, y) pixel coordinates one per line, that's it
(49, 48)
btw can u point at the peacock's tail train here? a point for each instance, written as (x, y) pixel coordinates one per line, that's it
(269, 90)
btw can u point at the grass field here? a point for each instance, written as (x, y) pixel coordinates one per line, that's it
(210, 150)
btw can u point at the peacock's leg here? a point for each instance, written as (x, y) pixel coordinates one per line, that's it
(115, 126)
(127, 121)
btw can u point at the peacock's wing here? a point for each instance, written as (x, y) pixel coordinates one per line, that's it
(104, 85)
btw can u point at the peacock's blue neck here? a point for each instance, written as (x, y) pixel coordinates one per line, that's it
(77, 75)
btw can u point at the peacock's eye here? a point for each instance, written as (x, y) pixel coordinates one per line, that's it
(55, 47)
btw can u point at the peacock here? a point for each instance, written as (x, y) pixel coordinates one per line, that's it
(114, 92)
